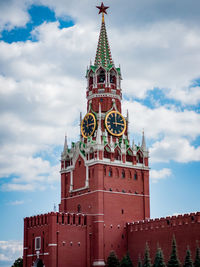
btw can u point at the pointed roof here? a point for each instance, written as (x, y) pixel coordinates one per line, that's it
(143, 146)
(65, 144)
(103, 54)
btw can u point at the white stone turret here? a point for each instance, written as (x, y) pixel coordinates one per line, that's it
(65, 145)
(143, 146)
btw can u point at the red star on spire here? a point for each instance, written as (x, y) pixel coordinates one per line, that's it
(102, 8)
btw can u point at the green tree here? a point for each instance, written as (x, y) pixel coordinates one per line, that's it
(174, 261)
(112, 260)
(18, 263)
(126, 261)
(197, 258)
(159, 259)
(147, 260)
(161, 262)
(188, 260)
(139, 262)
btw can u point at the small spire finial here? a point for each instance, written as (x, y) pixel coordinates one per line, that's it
(54, 207)
(143, 141)
(102, 9)
(65, 143)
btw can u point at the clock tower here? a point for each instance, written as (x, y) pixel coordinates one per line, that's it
(103, 175)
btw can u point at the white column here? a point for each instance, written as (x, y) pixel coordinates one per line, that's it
(71, 180)
(87, 177)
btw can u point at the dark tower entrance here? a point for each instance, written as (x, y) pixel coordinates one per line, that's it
(38, 263)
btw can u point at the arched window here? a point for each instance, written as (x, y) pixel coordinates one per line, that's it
(102, 76)
(113, 77)
(135, 176)
(104, 170)
(85, 220)
(79, 208)
(110, 172)
(123, 173)
(79, 220)
(68, 219)
(139, 157)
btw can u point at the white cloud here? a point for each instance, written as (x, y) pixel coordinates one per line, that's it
(42, 87)
(13, 14)
(163, 121)
(172, 131)
(10, 250)
(157, 175)
(160, 56)
(16, 202)
(177, 149)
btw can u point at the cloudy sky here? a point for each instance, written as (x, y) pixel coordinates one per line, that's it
(45, 47)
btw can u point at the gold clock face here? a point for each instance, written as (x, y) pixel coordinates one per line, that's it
(115, 123)
(88, 125)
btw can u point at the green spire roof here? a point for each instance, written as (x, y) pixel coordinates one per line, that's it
(103, 55)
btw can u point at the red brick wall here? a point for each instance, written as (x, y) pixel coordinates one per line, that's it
(61, 240)
(186, 230)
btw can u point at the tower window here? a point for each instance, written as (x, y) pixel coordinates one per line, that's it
(104, 170)
(38, 243)
(135, 176)
(79, 208)
(123, 174)
(102, 76)
(110, 172)
(79, 162)
(122, 211)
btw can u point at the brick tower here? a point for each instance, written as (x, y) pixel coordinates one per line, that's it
(104, 187)
(104, 180)
(103, 176)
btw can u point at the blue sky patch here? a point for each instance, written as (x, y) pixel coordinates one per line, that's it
(38, 15)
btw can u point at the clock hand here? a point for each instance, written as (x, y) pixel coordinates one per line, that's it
(119, 123)
(90, 124)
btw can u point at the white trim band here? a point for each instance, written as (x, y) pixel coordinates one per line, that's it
(99, 263)
(104, 191)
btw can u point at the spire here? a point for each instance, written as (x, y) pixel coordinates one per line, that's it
(65, 144)
(103, 54)
(143, 146)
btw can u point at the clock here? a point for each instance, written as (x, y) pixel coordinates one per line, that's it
(88, 125)
(115, 123)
